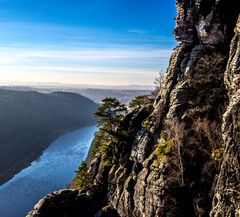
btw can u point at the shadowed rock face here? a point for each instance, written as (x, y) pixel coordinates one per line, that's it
(171, 166)
(71, 203)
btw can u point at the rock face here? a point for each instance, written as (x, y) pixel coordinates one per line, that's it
(227, 195)
(177, 158)
(70, 203)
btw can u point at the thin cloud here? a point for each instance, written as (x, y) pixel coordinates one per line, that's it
(79, 53)
(138, 31)
(37, 32)
(138, 65)
(8, 54)
(78, 75)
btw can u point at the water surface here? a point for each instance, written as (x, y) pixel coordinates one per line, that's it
(52, 171)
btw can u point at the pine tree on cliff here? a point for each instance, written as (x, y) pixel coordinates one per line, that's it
(110, 114)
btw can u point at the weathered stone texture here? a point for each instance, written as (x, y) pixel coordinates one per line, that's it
(227, 195)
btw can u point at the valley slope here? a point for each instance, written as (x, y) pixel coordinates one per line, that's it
(30, 121)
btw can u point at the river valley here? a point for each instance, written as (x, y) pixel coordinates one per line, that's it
(53, 170)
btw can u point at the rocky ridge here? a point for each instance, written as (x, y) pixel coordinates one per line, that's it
(182, 156)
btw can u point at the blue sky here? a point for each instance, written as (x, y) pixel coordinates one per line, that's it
(85, 41)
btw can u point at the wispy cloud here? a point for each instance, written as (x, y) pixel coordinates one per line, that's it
(78, 75)
(15, 54)
(32, 33)
(46, 52)
(90, 66)
(138, 31)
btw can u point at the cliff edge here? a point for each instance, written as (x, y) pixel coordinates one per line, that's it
(179, 155)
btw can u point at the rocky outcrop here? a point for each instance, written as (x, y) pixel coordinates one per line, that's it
(173, 159)
(227, 196)
(71, 203)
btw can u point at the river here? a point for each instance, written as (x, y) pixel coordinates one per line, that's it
(52, 171)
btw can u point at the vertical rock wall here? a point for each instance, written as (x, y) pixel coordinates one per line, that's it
(188, 111)
(227, 196)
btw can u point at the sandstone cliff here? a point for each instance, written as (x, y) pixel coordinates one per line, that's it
(227, 194)
(182, 154)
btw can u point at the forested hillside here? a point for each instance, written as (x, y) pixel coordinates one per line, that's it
(29, 121)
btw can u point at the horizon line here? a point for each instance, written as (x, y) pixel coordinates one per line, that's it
(74, 85)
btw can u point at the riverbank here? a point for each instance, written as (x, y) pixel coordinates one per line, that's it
(52, 171)
(46, 139)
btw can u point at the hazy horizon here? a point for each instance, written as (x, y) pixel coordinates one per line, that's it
(76, 85)
(108, 42)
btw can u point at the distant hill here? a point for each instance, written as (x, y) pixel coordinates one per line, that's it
(29, 121)
(96, 94)
(124, 96)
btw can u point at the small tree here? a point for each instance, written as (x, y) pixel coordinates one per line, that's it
(158, 82)
(139, 101)
(110, 114)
